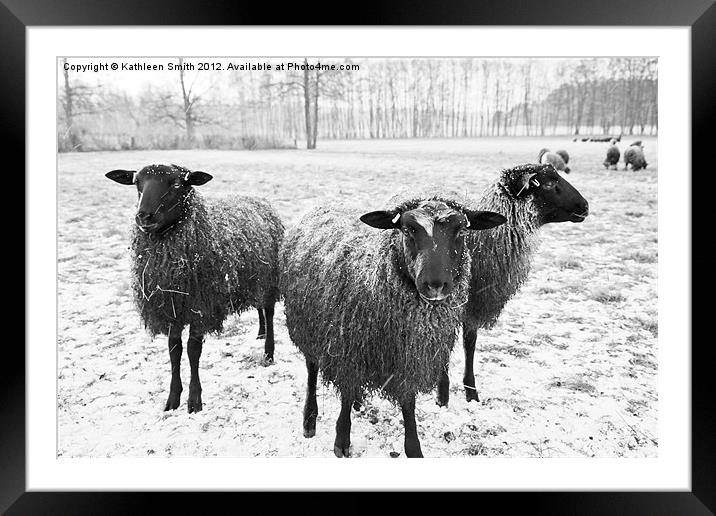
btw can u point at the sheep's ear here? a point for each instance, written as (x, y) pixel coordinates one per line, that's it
(483, 219)
(197, 178)
(123, 177)
(381, 219)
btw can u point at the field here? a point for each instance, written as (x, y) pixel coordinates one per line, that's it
(570, 370)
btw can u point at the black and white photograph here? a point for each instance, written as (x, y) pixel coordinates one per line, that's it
(357, 257)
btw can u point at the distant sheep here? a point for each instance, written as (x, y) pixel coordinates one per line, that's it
(530, 196)
(197, 260)
(613, 155)
(597, 138)
(546, 157)
(563, 154)
(377, 312)
(634, 156)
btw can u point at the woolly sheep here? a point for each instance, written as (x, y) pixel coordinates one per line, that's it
(377, 312)
(552, 158)
(196, 260)
(530, 196)
(564, 155)
(634, 156)
(613, 155)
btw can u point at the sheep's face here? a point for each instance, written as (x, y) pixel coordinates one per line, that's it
(555, 198)
(162, 193)
(433, 242)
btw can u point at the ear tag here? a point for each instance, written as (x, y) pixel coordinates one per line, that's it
(134, 178)
(467, 220)
(535, 182)
(396, 218)
(186, 176)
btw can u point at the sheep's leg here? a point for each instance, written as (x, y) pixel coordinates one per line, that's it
(269, 344)
(262, 324)
(412, 443)
(310, 409)
(468, 341)
(444, 388)
(175, 350)
(193, 350)
(343, 428)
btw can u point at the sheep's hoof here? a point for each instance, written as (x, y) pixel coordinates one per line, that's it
(342, 451)
(172, 401)
(260, 336)
(356, 405)
(309, 432)
(471, 395)
(412, 450)
(267, 360)
(415, 455)
(194, 405)
(443, 397)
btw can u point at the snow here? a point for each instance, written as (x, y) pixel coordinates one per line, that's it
(570, 369)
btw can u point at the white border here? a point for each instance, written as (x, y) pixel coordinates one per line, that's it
(671, 470)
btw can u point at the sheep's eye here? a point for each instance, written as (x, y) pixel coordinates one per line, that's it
(177, 184)
(548, 185)
(408, 231)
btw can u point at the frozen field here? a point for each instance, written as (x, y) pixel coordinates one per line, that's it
(570, 370)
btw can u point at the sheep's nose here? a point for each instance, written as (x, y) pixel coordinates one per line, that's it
(435, 290)
(584, 208)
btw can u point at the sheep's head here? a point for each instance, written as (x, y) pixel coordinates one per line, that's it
(163, 191)
(433, 242)
(564, 155)
(554, 197)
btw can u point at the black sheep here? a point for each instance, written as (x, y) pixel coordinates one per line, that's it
(530, 196)
(197, 260)
(377, 312)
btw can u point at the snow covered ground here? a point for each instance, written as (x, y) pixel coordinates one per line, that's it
(570, 370)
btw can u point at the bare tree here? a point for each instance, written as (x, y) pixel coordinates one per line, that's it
(76, 99)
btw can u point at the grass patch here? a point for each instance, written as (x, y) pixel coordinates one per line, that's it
(546, 289)
(518, 352)
(606, 295)
(642, 360)
(574, 384)
(541, 339)
(568, 263)
(640, 257)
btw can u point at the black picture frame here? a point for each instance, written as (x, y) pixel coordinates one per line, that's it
(700, 15)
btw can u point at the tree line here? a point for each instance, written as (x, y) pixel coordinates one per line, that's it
(386, 98)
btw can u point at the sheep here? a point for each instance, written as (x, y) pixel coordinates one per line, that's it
(530, 196)
(196, 260)
(554, 159)
(597, 138)
(634, 156)
(613, 155)
(377, 312)
(563, 154)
